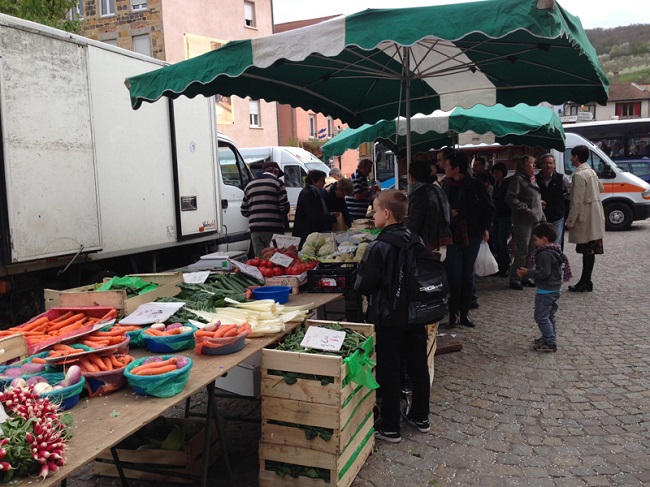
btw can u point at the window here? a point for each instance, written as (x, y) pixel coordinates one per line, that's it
(330, 127)
(294, 176)
(628, 109)
(249, 14)
(107, 7)
(112, 42)
(138, 5)
(77, 12)
(233, 172)
(254, 108)
(142, 45)
(641, 169)
(312, 126)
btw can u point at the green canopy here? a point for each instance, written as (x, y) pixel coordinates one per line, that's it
(521, 125)
(377, 64)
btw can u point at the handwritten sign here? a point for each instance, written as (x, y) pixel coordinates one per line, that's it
(284, 241)
(195, 277)
(281, 259)
(249, 270)
(323, 339)
(148, 313)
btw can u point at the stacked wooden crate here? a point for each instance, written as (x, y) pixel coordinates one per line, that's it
(293, 412)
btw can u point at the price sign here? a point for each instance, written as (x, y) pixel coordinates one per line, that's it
(281, 259)
(323, 339)
(249, 270)
(148, 313)
(195, 277)
(284, 241)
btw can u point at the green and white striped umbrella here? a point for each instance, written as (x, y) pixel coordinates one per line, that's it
(521, 125)
(364, 67)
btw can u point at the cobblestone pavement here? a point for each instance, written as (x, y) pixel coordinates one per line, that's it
(504, 415)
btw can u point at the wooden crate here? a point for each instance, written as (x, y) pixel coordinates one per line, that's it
(343, 467)
(188, 461)
(432, 346)
(13, 349)
(87, 296)
(294, 282)
(341, 406)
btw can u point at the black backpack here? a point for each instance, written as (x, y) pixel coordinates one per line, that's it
(422, 282)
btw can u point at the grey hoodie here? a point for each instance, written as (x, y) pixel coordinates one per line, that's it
(548, 270)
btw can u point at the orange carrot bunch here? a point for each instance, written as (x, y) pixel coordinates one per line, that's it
(223, 331)
(94, 363)
(156, 367)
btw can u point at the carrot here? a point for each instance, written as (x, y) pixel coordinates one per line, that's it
(230, 333)
(64, 323)
(155, 371)
(204, 333)
(223, 329)
(34, 324)
(39, 360)
(97, 362)
(153, 365)
(70, 328)
(109, 316)
(107, 362)
(63, 317)
(86, 365)
(115, 362)
(151, 331)
(63, 347)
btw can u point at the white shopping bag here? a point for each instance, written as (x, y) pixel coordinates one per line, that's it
(485, 264)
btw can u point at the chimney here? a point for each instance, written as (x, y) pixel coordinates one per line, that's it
(616, 77)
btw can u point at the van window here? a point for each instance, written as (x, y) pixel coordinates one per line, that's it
(233, 172)
(596, 163)
(294, 176)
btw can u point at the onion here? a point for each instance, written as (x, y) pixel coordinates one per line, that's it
(32, 381)
(186, 329)
(31, 368)
(158, 326)
(18, 382)
(181, 362)
(174, 326)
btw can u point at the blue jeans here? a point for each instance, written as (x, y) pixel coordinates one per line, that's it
(545, 309)
(559, 228)
(501, 230)
(459, 265)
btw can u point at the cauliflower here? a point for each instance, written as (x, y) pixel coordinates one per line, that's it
(309, 250)
(327, 249)
(315, 240)
(361, 249)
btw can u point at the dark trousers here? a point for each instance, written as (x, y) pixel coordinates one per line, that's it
(459, 265)
(502, 227)
(395, 345)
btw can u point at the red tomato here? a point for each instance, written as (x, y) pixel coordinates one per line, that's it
(264, 263)
(249, 262)
(277, 271)
(266, 272)
(256, 261)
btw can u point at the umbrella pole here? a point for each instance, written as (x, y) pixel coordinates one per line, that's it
(408, 116)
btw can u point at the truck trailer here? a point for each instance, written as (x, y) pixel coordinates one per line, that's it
(89, 186)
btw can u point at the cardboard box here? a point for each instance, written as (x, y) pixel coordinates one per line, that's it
(294, 282)
(188, 461)
(87, 296)
(245, 379)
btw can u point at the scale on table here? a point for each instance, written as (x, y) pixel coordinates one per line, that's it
(218, 260)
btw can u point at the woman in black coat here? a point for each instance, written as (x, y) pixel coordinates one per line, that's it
(311, 212)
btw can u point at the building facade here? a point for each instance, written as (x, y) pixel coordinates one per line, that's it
(175, 30)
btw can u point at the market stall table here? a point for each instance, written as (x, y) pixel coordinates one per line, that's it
(103, 422)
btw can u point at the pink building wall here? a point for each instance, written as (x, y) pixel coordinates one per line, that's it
(223, 20)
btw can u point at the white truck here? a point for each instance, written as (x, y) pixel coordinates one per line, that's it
(90, 186)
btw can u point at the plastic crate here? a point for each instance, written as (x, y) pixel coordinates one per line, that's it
(332, 278)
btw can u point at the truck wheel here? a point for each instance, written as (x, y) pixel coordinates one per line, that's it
(618, 216)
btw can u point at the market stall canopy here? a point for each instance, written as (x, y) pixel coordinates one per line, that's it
(521, 125)
(367, 66)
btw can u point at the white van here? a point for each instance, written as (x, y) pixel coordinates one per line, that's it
(294, 162)
(626, 197)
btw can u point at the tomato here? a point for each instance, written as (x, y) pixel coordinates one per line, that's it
(263, 263)
(249, 262)
(256, 261)
(277, 271)
(266, 272)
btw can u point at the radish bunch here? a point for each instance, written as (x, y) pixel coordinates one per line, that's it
(34, 434)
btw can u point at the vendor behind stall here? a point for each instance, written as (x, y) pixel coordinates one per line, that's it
(334, 196)
(312, 214)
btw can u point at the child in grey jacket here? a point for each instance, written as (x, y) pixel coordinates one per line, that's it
(551, 268)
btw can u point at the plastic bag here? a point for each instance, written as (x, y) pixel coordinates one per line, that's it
(163, 385)
(131, 283)
(485, 264)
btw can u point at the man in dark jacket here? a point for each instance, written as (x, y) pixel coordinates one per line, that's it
(334, 196)
(554, 187)
(376, 278)
(266, 205)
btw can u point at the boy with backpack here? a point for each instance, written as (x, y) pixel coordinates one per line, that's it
(551, 268)
(393, 309)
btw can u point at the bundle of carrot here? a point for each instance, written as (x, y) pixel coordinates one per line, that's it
(114, 336)
(43, 329)
(92, 363)
(65, 352)
(222, 331)
(157, 366)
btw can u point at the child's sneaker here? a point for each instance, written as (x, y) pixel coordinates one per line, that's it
(422, 425)
(538, 341)
(389, 436)
(545, 347)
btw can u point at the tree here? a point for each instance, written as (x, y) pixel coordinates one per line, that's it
(55, 13)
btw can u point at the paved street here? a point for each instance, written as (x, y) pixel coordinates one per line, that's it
(504, 415)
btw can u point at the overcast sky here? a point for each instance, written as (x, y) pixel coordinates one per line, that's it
(592, 13)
